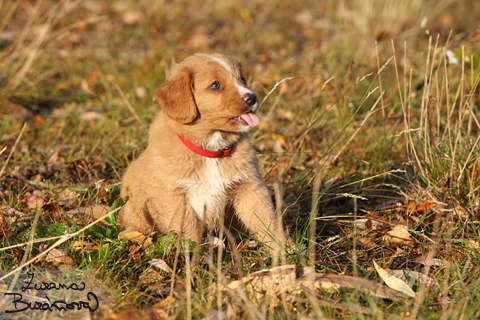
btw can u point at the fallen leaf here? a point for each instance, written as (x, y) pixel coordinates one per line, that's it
(397, 236)
(78, 167)
(364, 223)
(432, 262)
(9, 211)
(409, 275)
(287, 278)
(54, 211)
(472, 244)
(67, 196)
(54, 157)
(134, 250)
(366, 242)
(217, 244)
(34, 202)
(92, 212)
(393, 282)
(4, 228)
(56, 256)
(412, 207)
(160, 264)
(165, 302)
(90, 116)
(136, 237)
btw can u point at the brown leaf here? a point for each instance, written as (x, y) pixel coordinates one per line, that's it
(34, 201)
(412, 207)
(136, 237)
(408, 275)
(287, 278)
(472, 244)
(9, 211)
(165, 302)
(56, 256)
(397, 236)
(91, 116)
(5, 231)
(366, 242)
(55, 212)
(78, 167)
(134, 250)
(67, 196)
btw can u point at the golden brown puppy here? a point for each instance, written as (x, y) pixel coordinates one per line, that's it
(199, 163)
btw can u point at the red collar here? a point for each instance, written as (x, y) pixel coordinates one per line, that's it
(205, 152)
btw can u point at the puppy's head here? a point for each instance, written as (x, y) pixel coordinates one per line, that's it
(209, 90)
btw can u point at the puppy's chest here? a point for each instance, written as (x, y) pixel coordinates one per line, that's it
(208, 195)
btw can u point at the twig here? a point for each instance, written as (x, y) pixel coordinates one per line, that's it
(13, 149)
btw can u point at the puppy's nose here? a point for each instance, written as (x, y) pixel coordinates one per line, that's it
(250, 99)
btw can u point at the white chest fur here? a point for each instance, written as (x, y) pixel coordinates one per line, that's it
(208, 196)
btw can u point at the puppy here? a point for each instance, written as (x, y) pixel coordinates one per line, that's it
(199, 164)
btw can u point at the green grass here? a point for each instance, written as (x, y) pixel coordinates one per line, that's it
(81, 76)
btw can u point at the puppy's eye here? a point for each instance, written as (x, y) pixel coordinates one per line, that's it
(244, 81)
(215, 85)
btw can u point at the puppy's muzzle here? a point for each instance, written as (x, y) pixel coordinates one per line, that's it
(251, 101)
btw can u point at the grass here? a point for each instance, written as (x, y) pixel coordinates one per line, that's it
(374, 124)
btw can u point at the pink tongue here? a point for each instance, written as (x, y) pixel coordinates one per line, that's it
(250, 118)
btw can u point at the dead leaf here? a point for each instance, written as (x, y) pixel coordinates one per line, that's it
(432, 262)
(160, 264)
(394, 282)
(92, 212)
(91, 116)
(366, 242)
(54, 211)
(412, 207)
(67, 196)
(78, 167)
(165, 302)
(134, 250)
(391, 204)
(409, 275)
(4, 228)
(287, 278)
(54, 157)
(136, 237)
(364, 223)
(472, 244)
(9, 211)
(34, 201)
(85, 246)
(397, 236)
(56, 256)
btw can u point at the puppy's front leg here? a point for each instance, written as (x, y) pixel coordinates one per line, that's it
(176, 215)
(254, 207)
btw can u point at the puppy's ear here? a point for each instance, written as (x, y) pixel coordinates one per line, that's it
(175, 95)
